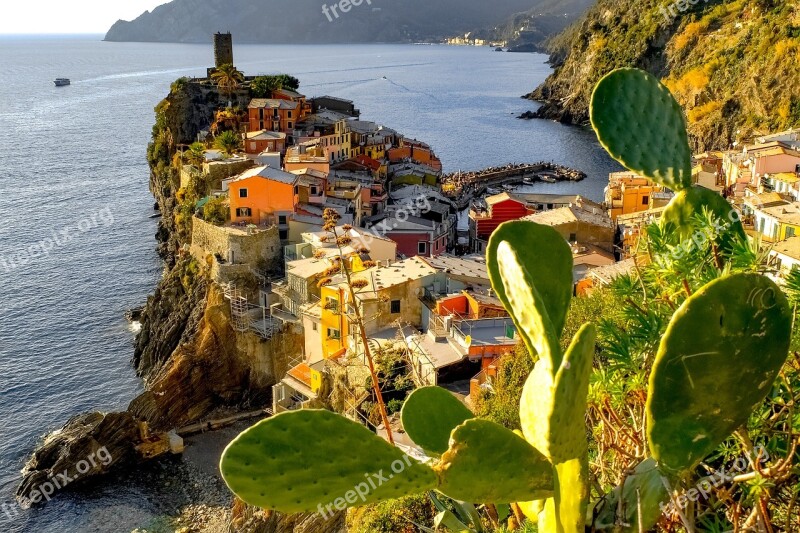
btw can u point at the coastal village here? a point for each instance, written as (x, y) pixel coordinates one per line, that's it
(309, 197)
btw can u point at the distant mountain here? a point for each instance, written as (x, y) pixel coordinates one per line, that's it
(530, 31)
(304, 21)
(732, 65)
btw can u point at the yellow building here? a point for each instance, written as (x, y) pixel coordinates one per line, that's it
(391, 295)
(628, 193)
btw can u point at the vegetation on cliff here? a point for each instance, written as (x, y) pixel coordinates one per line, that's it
(732, 65)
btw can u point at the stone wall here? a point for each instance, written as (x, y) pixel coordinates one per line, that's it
(261, 249)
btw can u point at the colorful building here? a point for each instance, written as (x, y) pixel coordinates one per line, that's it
(262, 196)
(274, 114)
(628, 192)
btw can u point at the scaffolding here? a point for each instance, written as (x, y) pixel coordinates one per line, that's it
(248, 317)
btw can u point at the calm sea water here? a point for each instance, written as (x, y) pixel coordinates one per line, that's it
(73, 180)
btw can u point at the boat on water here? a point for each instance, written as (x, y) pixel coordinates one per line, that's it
(62, 82)
(548, 179)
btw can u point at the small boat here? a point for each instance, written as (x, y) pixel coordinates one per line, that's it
(498, 49)
(527, 181)
(62, 82)
(548, 179)
(384, 78)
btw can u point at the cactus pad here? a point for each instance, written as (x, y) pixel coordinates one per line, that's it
(690, 202)
(552, 412)
(718, 359)
(530, 266)
(429, 416)
(641, 125)
(643, 488)
(488, 463)
(305, 460)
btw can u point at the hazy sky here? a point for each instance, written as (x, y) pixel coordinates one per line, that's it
(69, 16)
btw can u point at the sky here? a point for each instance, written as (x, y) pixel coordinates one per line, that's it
(69, 16)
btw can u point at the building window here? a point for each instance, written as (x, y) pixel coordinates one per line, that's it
(334, 334)
(395, 307)
(645, 200)
(422, 248)
(283, 234)
(242, 193)
(332, 304)
(789, 231)
(290, 124)
(282, 220)
(314, 326)
(243, 212)
(290, 116)
(573, 237)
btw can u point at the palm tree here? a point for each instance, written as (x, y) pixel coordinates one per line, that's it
(228, 79)
(228, 142)
(196, 155)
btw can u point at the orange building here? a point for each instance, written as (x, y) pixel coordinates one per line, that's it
(274, 114)
(415, 151)
(294, 96)
(262, 195)
(628, 193)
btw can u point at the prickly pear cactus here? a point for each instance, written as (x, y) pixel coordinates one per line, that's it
(642, 490)
(552, 413)
(718, 359)
(535, 287)
(489, 463)
(298, 461)
(430, 414)
(641, 125)
(688, 203)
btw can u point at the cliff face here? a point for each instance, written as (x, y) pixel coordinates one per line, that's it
(190, 358)
(732, 65)
(303, 21)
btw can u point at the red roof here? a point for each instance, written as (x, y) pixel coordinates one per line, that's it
(368, 162)
(302, 373)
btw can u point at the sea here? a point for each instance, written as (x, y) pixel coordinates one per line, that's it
(77, 244)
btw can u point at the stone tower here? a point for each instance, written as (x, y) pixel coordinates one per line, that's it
(223, 49)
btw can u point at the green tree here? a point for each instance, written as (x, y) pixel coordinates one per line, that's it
(216, 211)
(196, 155)
(228, 142)
(228, 79)
(263, 86)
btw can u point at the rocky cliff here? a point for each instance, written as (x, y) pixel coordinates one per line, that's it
(731, 64)
(192, 361)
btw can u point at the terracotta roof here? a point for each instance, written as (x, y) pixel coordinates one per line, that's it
(272, 103)
(301, 373)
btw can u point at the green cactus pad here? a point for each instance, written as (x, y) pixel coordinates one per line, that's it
(643, 486)
(565, 512)
(718, 359)
(688, 203)
(487, 463)
(530, 266)
(429, 416)
(641, 125)
(303, 461)
(552, 410)
(552, 413)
